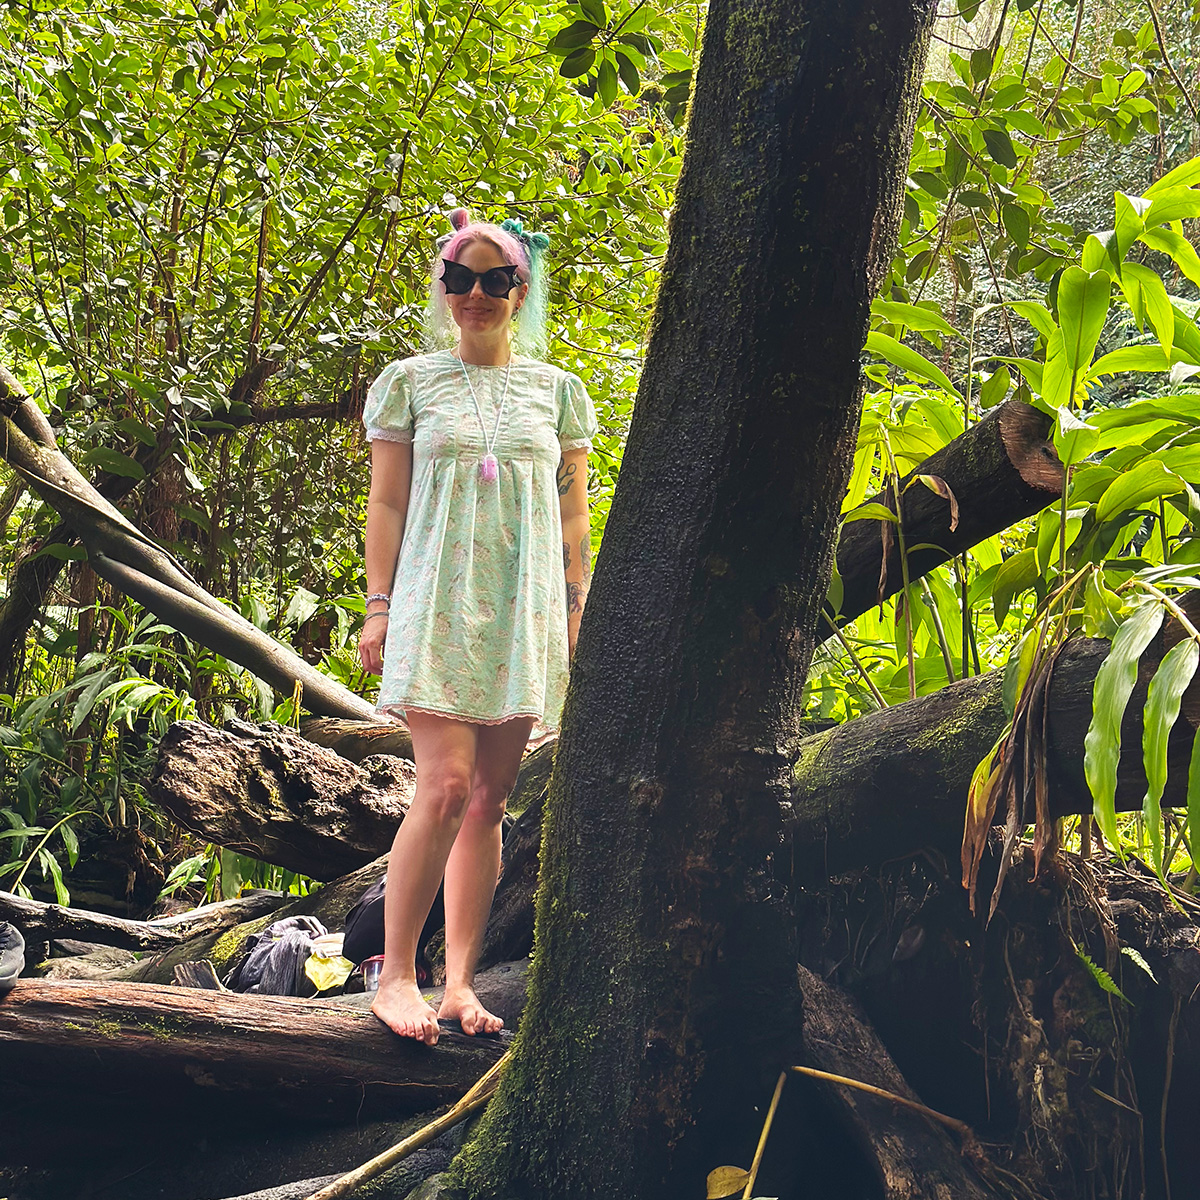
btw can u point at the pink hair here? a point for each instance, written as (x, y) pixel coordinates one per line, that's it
(467, 231)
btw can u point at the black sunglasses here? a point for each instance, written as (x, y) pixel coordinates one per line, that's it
(496, 281)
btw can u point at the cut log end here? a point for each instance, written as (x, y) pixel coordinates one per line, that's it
(1023, 433)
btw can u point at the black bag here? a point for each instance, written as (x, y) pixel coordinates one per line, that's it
(364, 929)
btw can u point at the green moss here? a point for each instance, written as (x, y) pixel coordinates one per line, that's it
(106, 1029)
(228, 944)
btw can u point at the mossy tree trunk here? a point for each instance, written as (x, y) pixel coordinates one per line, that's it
(664, 996)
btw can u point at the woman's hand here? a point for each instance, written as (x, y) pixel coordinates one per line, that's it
(371, 641)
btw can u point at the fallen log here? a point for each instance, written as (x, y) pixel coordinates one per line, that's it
(185, 1048)
(265, 791)
(894, 782)
(1002, 469)
(41, 923)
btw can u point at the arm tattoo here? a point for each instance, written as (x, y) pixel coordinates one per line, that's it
(566, 557)
(566, 476)
(575, 595)
(585, 555)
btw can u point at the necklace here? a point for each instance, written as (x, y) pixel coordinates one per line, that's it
(488, 467)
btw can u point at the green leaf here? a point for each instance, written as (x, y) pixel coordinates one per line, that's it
(628, 72)
(1038, 315)
(1102, 977)
(1173, 204)
(114, 462)
(871, 512)
(1130, 358)
(1083, 299)
(999, 146)
(1015, 575)
(1129, 222)
(1193, 797)
(994, 388)
(50, 864)
(1073, 439)
(912, 316)
(1147, 297)
(1138, 960)
(1180, 250)
(1162, 710)
(1101, 608)
(1147, 481)
(594, 10)
(578, 62)
(1016, 223)
(1018, 669)
(908, 360)
(606, 81)
(573, 37)
(1183, 175)
(1110, 696)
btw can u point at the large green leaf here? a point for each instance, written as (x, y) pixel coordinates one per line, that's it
(1147, 481)
(1130, 358)
(1083, 298)
(1073, 439)
(1147, 297)
(1173, 204)
(1193, 793)
(1181, 251)
(1183, 175)
(1110, 696)
(1015, 575)
(912, 316)
(1162, 710)
(901, 356)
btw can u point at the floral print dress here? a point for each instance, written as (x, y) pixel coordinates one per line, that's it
(478, 621)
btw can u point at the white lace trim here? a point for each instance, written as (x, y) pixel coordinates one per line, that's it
(376, 434)
(398, 710)
(574, 444)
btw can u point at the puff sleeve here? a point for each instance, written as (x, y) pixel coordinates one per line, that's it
(577, 423)
(387, 413)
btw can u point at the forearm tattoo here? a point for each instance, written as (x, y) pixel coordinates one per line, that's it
(585, 554)
(575, 595)
(566, 557)
(566, 476)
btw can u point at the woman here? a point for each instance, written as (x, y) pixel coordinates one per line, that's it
(477, 559)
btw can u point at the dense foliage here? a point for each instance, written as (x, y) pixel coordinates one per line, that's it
(218, 223)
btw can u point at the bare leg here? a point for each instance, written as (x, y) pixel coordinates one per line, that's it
(473, 868)
(445, 752)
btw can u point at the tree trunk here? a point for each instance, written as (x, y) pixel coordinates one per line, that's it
(665, 973)
(1000, 470)
(265, 791)
(184, 1048)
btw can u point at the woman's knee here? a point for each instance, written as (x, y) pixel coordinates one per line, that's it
(447, 791)
(488, 801)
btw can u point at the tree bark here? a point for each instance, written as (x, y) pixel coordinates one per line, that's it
(895, 782)
(265, 791)
(665, 973)
(184, 1047)
(1002, 469)
(41, 923)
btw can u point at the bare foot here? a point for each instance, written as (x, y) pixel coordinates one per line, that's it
(462, 1005)
(403, 1010)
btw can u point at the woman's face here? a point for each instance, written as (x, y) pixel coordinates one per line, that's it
(475, 312)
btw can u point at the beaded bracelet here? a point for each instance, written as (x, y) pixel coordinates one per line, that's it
(386, 597)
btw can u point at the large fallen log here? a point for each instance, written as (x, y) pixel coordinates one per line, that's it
(265, 791)
(894, 782)
(40, 922)
(184, 1048)
(1002, 469)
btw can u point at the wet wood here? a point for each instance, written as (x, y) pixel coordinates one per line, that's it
(266, 791)
(1002, 469)
(183, 1046)
(40, 922)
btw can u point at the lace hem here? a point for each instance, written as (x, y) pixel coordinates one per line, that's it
(399, 710)
(376, 434)
(574, 444)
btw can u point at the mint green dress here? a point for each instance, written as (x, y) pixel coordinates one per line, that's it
(478, 624)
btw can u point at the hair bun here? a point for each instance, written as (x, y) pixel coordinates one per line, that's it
(460, 218)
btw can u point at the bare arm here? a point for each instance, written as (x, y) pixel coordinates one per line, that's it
(387, 511)
(577, 537)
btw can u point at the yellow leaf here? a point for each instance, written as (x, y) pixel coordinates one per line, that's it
(725, 1181)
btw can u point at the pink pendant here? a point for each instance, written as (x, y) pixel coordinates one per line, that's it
(489, 470)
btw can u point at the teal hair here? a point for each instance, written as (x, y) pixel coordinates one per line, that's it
(530, 336)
